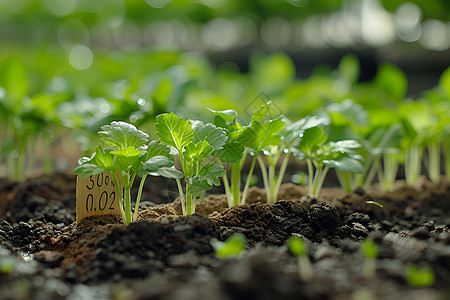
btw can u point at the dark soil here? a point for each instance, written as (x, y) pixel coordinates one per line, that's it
(45, 255)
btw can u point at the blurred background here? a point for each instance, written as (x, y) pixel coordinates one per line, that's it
(68, 67)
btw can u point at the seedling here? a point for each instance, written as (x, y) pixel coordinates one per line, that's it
(124, 152)
(322, 156)
(194, 143)
(265, 135)
(419, 277)
(234, 152)
(232, 247)
(370, 251)
(298, 248)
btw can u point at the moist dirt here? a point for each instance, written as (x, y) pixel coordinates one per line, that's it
(44, 254)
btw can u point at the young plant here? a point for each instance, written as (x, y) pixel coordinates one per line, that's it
(265, 136)
(232, 247)
(419, 277)
(322, 156)
(370, 251)
(194, 143)
(290, 136)
(298, 248)
(124, 152)
(234, 152)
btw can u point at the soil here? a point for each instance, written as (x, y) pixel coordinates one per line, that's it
(44, 254)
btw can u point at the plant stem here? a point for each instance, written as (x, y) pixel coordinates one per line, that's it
(305, 268)
(281, 175)
(226, 186)
(387, 179)
(319, 181)
(434, 161)
(182, 199)
(413, 164)
(127, 191)
(446, 146)
(119, 195)
(344, 180)
(235, 183)
(310, 175)
(247, 183)
(264, 172)
(190, 204)
(138, 198)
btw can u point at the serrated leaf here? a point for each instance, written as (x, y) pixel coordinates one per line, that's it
(123, 135)
(215, 136)
(198, 152)
(174, 131)
(127, 157)
(103, 159)
(265, 134)
(232, 152)
(87, 170)
(153, 164)
(208, 176)
(346, 146)
(259, 114)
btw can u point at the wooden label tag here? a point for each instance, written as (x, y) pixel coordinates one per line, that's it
(96, 195)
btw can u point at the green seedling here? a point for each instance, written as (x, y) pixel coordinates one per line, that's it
(234, 152)
(370, 252)
(194, 142)
(322, 156)
(298, 248)
(265, 136)
(232, 247)
(290, 136)
(419, 277)
(125, 152)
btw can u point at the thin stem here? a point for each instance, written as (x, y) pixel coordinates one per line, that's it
(119, 194)
(310, 174)
(434, 161)
(247, 183)
(272, 183)
(390, 171)
(138, 198)
(226, 185)
(372, 172)
(190, 204)
(281, 174)
(413, 165)
(235, 183)
(344, 180)
(264, 172)
(127, 191)
(182, 199)
(320, 181)
(447, 158)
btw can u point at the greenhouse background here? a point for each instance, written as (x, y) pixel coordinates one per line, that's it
(69, 67)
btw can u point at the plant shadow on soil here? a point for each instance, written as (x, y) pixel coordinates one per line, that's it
(45, 255)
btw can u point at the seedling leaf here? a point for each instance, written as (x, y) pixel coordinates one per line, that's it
(174, 131)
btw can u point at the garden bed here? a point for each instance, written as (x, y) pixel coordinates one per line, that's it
(45, 255)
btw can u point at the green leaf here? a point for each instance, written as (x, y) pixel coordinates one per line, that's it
(103, 159)
(312, 138)
(227, 115)
(231, 153)
(345, 146)
(297, 246)
(352, 164)
(127, 157)
(215, 136)
(349, 68)
(208, 176)
(156, 162)
(261, 112)
(123, 136)
(419, 277)
(198, 152)
(87, 170)
(293, 130)
(232, 247)
(370, 249)
(174, 131)
(393, 81)
(168, 173)
(265, 134)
